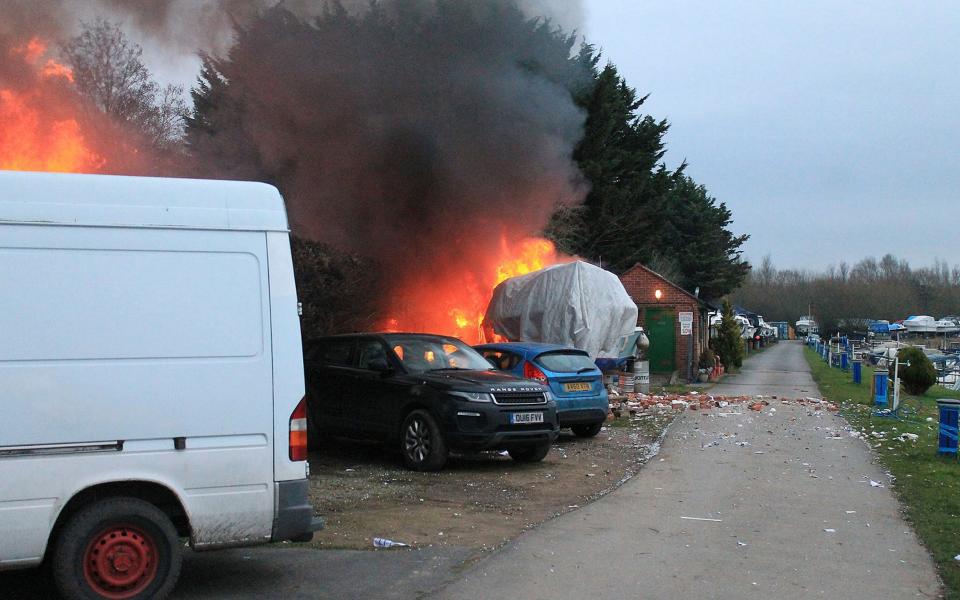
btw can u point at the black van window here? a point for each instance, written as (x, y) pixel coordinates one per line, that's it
(337, 352)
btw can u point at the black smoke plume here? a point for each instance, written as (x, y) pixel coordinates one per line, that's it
(418, 133)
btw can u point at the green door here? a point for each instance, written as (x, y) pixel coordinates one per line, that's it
(661, 329)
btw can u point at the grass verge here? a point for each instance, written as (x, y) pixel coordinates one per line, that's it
(927, 484)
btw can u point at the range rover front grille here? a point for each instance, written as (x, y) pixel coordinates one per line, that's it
(519, 398)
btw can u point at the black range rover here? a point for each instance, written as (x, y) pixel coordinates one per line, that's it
(429, 394)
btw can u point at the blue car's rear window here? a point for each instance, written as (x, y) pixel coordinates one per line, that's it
(565, 361)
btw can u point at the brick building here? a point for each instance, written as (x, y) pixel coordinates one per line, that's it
(662, 303)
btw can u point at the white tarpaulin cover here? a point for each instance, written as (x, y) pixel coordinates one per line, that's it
(575, 304)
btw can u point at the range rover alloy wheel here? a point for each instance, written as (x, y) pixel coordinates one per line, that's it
(422, 443)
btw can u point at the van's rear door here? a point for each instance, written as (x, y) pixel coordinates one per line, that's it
(288, 385)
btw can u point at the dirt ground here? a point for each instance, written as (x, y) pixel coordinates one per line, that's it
(477, 501)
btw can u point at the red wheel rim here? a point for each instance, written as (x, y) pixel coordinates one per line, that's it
(120, 562)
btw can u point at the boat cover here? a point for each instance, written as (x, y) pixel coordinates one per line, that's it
(574, 304)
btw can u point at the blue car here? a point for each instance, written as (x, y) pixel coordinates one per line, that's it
(574, 380)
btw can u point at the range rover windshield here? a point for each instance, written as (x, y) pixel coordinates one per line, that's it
(423, 353)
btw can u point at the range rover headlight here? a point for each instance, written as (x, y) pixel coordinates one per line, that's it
(473, 396)
(548, 395)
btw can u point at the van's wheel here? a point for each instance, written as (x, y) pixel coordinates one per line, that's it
(421, 442)
(530, 454)
(586, 430)
(120, 549)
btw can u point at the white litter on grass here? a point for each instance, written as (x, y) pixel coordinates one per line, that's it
(702, 519)
(908, 437)
(830, 530)
(875, 483)
(739, 543)
(851, 512)
(957, 557)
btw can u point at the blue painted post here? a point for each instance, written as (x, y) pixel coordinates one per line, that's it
(880, 379)
(949, 412)
(844, 361)
(857, 371)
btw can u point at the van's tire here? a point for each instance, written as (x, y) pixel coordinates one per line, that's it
(530, 454)
(421, 442)
(586, 430)
(119, 548)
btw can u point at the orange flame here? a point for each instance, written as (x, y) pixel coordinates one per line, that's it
(456, 306)
(54, 69)
(35, 134)
(31, 51)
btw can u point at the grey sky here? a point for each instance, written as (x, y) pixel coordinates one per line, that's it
(831, 129)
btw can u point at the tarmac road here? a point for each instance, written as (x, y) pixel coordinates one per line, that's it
(747, 505)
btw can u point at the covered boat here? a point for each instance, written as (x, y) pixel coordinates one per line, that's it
(573, 304)
(806, 325)
(920, 324)
(947, 326)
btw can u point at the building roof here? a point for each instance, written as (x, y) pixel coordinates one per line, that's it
(119, 201)
(664, 279)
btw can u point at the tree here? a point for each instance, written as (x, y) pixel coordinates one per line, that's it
(920, 375)
(340, 291)
(707, 252)
(637, 210)
(619, 155)
(888, 289)
(108, 71)
(729, 343)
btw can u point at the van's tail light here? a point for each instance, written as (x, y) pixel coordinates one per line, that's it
(530, 371)
(298, 432)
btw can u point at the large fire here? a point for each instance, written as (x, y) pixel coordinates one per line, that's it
(39, 129)
(456, 306)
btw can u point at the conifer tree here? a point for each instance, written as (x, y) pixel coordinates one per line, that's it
(729, 343)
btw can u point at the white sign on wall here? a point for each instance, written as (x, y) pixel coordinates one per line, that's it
(685, 317)
(686, 328)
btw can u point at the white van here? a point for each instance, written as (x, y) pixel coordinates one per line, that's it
(151, 377)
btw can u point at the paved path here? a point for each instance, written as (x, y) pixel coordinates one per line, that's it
(795, 515)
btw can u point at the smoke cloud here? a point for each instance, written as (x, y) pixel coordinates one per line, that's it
(422, 134)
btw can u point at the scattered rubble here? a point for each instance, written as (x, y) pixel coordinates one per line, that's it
(638, 404)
